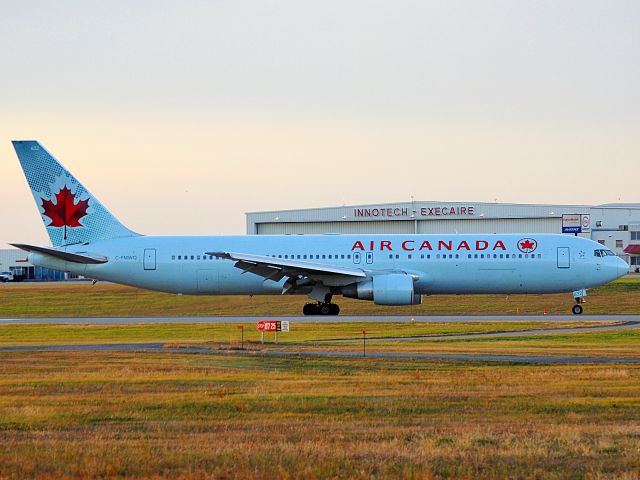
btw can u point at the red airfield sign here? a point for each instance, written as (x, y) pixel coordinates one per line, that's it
(273, 326)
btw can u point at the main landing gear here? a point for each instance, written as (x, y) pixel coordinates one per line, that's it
(321, 308)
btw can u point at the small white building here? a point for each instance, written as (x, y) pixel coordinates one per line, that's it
(615, 225)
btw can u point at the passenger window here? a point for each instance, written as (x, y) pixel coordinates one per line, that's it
(179, 257)
(397, 256)
(198, 257)
(349, 256)
(391, 255)
(409, 256)
(341, 257)
(191, 257)
(482, 255)
(329, 256)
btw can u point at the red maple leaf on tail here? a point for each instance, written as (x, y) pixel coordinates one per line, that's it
(65, 213)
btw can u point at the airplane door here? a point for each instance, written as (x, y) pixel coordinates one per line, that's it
(356, 257)
(563, 257)
(149, 259)
(369, 257)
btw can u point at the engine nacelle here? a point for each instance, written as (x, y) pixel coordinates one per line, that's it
(390, 289)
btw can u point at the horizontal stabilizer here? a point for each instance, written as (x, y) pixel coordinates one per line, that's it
(67, 256)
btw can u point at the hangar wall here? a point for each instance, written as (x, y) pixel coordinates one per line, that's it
(616, 226)
(514, 225)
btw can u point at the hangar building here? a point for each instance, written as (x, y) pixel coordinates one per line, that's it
(615, 225)
(15, 261)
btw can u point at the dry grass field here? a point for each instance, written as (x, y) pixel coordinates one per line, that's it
(82, 414)
(67, 300)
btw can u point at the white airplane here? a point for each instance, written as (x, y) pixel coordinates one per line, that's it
(88, 240)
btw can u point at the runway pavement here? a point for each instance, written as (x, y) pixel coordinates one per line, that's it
(161, 348)
(324, 319)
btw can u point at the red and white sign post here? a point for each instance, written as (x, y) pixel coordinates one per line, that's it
(274, 326)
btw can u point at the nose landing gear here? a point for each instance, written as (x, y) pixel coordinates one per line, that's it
(578, 295)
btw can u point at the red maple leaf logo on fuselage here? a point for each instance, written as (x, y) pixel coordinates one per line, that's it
(527, 245)
(65, 212)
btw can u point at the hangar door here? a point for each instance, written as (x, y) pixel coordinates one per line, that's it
(563, 257)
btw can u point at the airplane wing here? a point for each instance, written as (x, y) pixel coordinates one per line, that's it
(278, 268)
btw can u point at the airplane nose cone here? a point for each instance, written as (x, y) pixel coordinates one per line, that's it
(623, 267)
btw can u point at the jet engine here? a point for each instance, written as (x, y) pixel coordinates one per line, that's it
(389, 289)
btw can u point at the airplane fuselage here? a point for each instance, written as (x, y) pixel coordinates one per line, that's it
(440, 264)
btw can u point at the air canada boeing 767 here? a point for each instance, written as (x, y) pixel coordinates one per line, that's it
(88, 240)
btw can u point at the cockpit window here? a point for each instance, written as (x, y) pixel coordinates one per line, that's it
(603, 253)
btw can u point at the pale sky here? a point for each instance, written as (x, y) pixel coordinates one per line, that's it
(182, 116)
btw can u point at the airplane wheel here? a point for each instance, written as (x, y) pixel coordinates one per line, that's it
(310, 309)
(325, 309)
(335, 309)
(577, 309)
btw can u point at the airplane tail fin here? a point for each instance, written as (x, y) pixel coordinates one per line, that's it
(71, 214)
